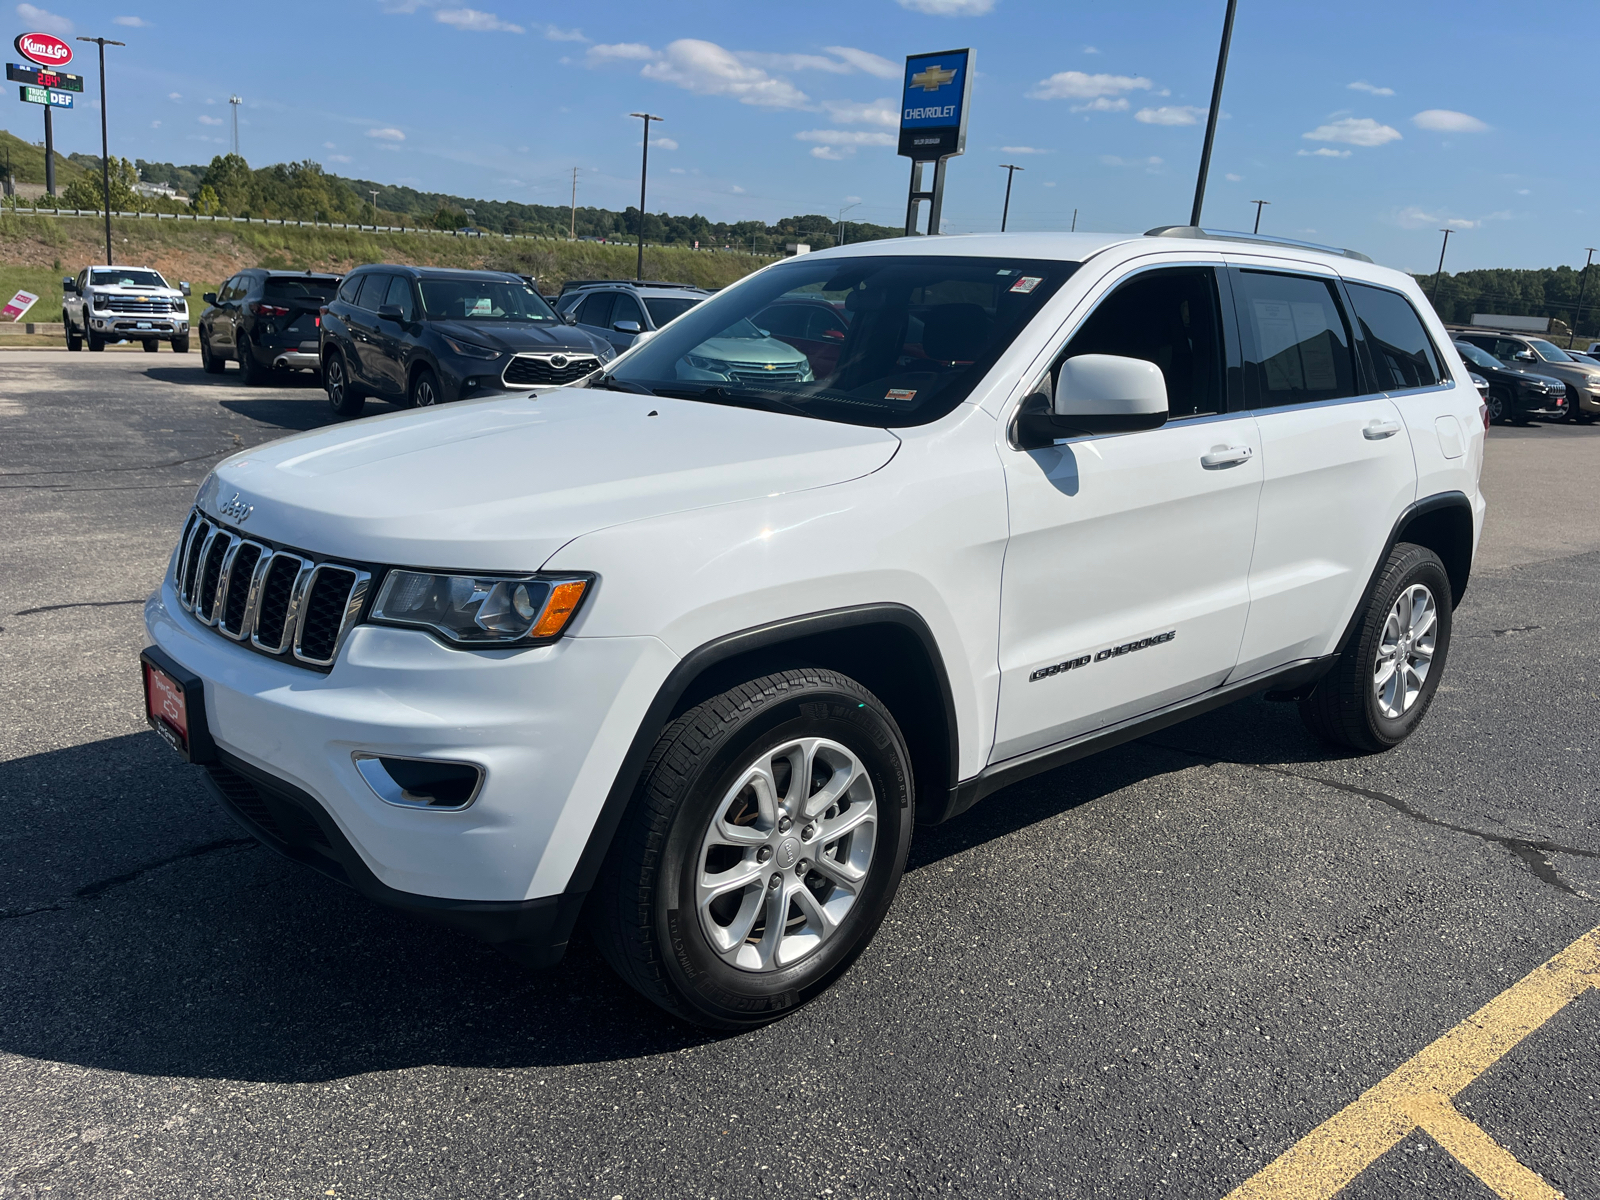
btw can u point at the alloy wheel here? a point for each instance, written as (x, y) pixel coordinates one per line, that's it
(1405, 651)
(787, 854)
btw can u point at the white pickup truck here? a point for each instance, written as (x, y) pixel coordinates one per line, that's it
(115, 304)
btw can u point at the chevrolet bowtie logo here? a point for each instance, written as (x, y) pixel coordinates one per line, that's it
(932, 79)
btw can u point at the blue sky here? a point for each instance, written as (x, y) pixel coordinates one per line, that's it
(1365, 124)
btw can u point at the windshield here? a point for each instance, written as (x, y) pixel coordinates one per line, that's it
(1549, 351)
(484, 300)
(664, 308)
(1477, 357)
(890, 341)
(126, 277)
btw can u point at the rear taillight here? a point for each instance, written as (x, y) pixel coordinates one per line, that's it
(317, 321)
(268, 310)
(1483, 411)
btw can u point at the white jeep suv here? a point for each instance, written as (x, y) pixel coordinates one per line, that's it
(686, 656)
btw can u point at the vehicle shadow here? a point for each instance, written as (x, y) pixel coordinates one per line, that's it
(147, 934)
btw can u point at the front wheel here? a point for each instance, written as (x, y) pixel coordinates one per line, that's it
(209, 362)
(180, 344)
(151, 346)
(763, 848)
(1383, 682)
(342, 395)
(97, 342)
(74, 338)
(1496, 400)
(424, 390)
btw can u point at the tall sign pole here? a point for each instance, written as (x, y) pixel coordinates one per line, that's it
(105, 144)
(49, 54)
(644, 169)
(1433, 295)
(933, 125)
(1211, 121)
(1005, 212)
(1582, 289)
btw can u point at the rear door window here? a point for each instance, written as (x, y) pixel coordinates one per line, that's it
(373, 292)
(665, 308)
(351, 288)
(596, 310)
(1296, 341)
(1403, 356)
(400, 296)
(627, 309)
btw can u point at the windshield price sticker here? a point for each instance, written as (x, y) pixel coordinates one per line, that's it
(901, 394)
(1026, 284)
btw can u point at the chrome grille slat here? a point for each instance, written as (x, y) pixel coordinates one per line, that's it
(234, 588)
(189, 562)
(205, 590)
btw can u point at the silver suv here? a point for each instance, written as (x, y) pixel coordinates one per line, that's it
(619, 310)
(1539, 354)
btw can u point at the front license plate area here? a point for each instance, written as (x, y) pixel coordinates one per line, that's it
(175, 706)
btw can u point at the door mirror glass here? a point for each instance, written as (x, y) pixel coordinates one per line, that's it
(1524, 356)
(626, 326)
(184, 287)
(209, 297)
(69, 285)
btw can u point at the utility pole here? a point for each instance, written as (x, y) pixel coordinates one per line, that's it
(235, 102)
(1582, 288)
(105, 144)
(1434, 295)
(1216, 109)
(1010, 170)
(572, 233)
(1258, 204)
(644, 170)
(1074, 228)
(842, 211)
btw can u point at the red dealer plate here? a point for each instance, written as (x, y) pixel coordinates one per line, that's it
(166, 707)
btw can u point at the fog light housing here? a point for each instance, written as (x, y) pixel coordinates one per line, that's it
(434, 783)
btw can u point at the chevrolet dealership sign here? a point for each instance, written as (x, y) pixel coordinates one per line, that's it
(933, 105)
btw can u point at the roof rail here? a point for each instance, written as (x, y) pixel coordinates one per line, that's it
(661, 283)
(1228, 235)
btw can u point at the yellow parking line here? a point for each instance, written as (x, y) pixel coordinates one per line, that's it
(1417, 1095)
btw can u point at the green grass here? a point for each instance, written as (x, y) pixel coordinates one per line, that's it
(27, 160)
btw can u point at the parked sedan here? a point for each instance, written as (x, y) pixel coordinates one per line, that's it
(417, 336)
(265, 321)
(1515, 394)
(1538, 354)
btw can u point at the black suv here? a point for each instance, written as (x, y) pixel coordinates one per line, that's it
(417, 336)
(1514, 394)
(265, 320)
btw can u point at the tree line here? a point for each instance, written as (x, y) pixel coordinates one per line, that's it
(1542, 292)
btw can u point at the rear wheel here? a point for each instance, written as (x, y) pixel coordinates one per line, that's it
(762, 849)
(1498, 404)
(1383, 682)
(250, 372)
(209, 361)
(343, 397)
(424, 390)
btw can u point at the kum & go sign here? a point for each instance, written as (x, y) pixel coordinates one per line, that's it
(43, 48)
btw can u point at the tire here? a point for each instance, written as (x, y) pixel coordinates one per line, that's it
(250, 372)
(180, 345)
(1499, 405)
(1357, 704)
(343, 397)
(209, 361)
(97, 342)
(424, 391)
(151, 346)
(74, 338)
(701, 964)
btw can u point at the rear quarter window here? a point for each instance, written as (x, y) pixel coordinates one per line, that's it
(1403, 356)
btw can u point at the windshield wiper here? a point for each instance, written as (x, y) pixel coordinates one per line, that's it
(612, 384)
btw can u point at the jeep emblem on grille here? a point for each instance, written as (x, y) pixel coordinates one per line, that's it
(237, 510)
(559, 360)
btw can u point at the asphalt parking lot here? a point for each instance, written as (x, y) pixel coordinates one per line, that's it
(1151, 973)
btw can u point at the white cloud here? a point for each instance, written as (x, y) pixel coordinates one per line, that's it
(846, 137)
(1052, 183)
(831, 154)
(621, 51)
(155, 124)
(1445, 120)
(1361, 85)
(330, 145)
(1113, 160)
(792, 62)
(737, 190)
(556, 34)
(873, 112)
(1169, 114)
(708, 70)
(131, 22)
(1024, 150)
(1323, 152)
(339, 158)
(474, 21)
(1103, 104)
(1413, 217)
(386, 135)
(174, 95)
(1524, 192)
(677, 171)
(949, 8)
(1079, 85)
(664, 143)
(45, 21)
(1087, 50)
(1354, 131)
(865, 61)
(1232, 178)
(205, 120)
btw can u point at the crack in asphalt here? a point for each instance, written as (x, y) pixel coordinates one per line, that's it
(90, 890)
(238, 444)
(1534, 855)
(25, 612)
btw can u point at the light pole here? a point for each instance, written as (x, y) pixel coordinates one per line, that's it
(234, 102)
(1010, 170)
(842, 212)
(644, 170)
(105, 145)
(1582, 288)
(1259, 204)
(572, 231)
(1216, 109)
(373, 192)
(1445, 245)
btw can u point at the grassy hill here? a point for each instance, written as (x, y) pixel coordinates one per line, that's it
(27, 160)
(35, 252)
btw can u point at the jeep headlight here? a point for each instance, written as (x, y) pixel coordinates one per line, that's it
(481, 610)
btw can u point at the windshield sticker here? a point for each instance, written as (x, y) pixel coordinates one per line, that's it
(1026, 284)
(901, 394)
(485, 306)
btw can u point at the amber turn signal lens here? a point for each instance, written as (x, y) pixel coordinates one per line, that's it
(563, 603)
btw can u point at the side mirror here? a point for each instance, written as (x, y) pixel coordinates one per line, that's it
(390, 312)
(1094, 393)
(1525, 356)
(69, 285)
(184, 287)
(209, 297)
(627, 327)
(569, 317)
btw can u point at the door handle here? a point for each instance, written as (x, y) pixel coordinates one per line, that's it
(1377, 430)
(1226, 456)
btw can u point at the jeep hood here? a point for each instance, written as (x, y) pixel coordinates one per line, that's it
(503, 482)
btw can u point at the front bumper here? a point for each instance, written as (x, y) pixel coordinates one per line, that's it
(117, 325)
(549, 726)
